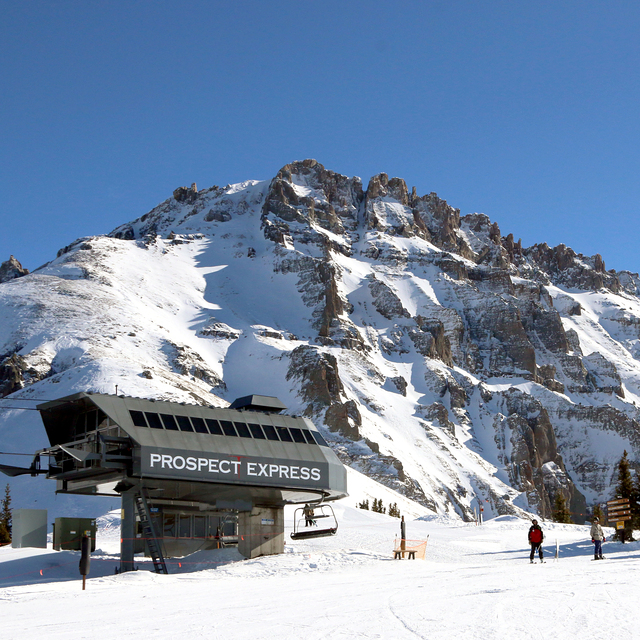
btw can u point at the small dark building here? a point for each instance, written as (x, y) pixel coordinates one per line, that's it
(196, 477)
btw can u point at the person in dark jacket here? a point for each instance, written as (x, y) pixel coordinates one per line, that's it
(308, 515)
(536, 536)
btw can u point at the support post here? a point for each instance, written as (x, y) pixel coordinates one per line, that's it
(127, 530)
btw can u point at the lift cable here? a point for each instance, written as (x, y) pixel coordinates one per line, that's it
(9, 453)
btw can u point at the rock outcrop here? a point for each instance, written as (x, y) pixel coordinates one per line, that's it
(439, 355)
(11, 269)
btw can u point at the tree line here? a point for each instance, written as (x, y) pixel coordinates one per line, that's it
(626, 487)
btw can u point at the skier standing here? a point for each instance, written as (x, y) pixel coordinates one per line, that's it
(597, 537)
(536, 536)
(308, 515)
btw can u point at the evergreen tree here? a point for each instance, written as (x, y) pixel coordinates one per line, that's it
(393, 510)
(364, 505)
(635, 502)
(5, 517)
(378, 506)
(625, 489)
(597, 513)
(561, 511)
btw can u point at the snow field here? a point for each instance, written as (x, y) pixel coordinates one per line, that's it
(476, 582)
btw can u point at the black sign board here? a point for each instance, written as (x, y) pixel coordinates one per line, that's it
(214, 467)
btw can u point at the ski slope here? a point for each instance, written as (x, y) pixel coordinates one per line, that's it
(476, 582)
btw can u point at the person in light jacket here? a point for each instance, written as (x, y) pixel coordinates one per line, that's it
(597, 537)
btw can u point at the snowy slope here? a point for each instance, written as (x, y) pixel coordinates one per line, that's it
(442, 360)
(476, 582)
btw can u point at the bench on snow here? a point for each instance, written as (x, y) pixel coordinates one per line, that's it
(413, 549)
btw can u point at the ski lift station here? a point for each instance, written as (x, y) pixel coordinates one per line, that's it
(191, 477)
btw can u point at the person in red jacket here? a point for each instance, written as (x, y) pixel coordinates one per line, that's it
(536, 536)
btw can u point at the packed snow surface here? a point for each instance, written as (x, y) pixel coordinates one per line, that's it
(476, 582)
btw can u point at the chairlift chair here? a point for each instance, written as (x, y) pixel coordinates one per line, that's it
(327, 527)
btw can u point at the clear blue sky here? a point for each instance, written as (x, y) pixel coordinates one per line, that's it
(526, 111)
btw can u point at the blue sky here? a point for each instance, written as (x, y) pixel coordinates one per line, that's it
(527, 112)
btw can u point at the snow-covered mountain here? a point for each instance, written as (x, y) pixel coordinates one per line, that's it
(441, 359)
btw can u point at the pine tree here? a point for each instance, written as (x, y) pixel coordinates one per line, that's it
(364, 505)
(5, 517)
(597, 513)
(378, 506)
(625, 489)
(635, 503)
(561, 511)
(393, 510)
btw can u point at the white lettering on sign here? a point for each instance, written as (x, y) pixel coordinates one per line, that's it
(235, 468)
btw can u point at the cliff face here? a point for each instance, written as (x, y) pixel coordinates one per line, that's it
(443, 359)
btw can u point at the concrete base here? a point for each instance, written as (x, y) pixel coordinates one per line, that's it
(261, 532)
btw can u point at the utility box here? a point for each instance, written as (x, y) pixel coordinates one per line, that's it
(29, 528)
(68, 532)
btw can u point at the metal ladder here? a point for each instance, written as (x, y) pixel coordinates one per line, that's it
(148, 531)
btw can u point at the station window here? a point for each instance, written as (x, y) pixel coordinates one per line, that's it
(154, 420)
(256, 431)
(270, 432)
(243, 430)
(184, 424)
(199, 526)
(169, 421)
(308, 436)
(103, 420)
(284, 434)
(214, 427)
(319, 439)
(228, 428)
(184, 526)
(169, 529)
(297, 435)
(91, 417)
(138, 418)
(199, 425)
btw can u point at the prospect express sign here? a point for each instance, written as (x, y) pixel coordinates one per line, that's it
(224, 468)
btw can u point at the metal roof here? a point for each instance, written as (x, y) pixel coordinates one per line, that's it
(165, 452)
(267, 404)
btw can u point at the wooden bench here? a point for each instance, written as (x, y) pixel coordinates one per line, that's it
(397, 554)
(413, 548)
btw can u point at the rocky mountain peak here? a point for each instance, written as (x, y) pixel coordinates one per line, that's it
(439, 356)
(11, 269)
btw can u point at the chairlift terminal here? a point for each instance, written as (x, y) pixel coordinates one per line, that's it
(195, 476)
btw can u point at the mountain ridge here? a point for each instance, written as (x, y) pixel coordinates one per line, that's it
(442, 359)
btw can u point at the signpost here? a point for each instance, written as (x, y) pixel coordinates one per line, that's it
(619, 511)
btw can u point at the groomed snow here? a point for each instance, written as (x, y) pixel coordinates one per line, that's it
(476, 582)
